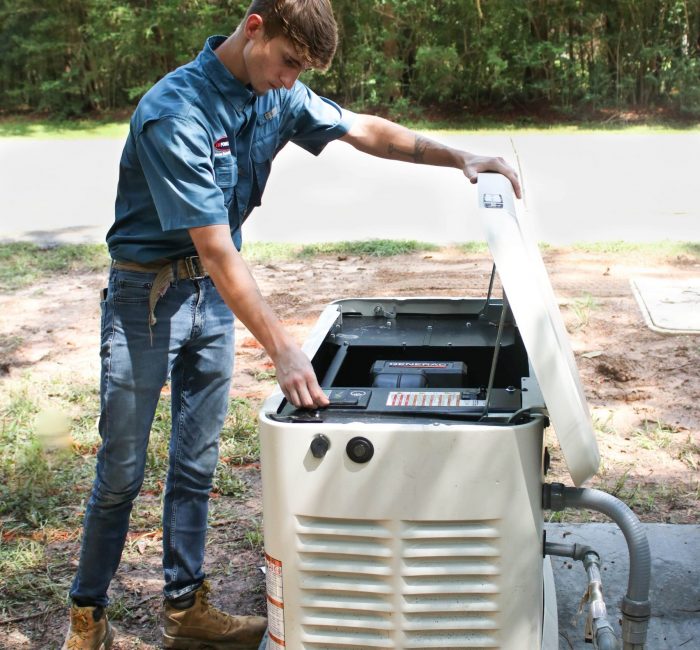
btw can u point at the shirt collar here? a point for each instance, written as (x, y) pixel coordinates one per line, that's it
(234, 91)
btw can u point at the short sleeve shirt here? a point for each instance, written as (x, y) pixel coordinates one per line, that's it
(199, 152)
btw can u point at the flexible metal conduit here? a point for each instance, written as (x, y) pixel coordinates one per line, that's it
(635, 607)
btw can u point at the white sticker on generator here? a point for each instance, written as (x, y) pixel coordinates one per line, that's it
(273, 578)
(274, 644)
(275, 602)
(424, 399)
(275, 623)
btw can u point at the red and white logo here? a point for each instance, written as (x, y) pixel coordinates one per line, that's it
(221, 146)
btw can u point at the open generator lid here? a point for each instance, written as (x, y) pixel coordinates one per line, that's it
(524, 278)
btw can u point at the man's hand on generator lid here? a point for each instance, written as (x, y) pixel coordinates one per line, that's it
(473, 165)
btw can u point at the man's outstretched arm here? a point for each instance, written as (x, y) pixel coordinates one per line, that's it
(382, 138)
(240, 292)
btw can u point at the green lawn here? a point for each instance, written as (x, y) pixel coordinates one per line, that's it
(21, 127)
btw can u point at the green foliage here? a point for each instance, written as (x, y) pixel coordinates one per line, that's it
(42, 485)
(373, 247)
(44, 488)
(23, 263)
(76, 57)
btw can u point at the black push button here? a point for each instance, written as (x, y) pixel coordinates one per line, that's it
(360, 450)
(349, 398)
(320, 446)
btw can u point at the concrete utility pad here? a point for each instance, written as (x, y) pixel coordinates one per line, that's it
(669, 306)
(675, 582)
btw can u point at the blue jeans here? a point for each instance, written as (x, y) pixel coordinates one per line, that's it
(192, 342)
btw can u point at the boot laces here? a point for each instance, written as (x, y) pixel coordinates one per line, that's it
(80, 628)
(217, 614)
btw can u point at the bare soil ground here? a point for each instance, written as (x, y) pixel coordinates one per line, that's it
(643, 389)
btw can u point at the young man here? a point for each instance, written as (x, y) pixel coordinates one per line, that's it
(195, 164)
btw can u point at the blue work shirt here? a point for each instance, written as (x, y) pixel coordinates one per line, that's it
(199, 152)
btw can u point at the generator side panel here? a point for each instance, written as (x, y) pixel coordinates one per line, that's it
(434, 542)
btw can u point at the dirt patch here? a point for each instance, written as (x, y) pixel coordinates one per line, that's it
(643, 389)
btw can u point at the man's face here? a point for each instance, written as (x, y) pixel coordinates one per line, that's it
(270, 63)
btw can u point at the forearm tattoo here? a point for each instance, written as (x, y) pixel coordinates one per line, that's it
(418, 153)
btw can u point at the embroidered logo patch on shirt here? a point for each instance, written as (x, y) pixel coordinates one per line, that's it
(221, 147)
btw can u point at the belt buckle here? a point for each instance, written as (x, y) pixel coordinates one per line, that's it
(195, 270)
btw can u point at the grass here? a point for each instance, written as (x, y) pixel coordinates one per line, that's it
(602, 420)
(368, 247)
(473, 247)
(654, 434)
(43, 489)
(689, 453)
(18, 127)
(29, 575)
(254, 537)
(44, 485)
(666, 248)
(118, 127)
(516, 127)
(263, 252)
(582, 308)
(22, 263)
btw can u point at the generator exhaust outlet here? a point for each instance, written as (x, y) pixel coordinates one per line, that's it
(635, 606)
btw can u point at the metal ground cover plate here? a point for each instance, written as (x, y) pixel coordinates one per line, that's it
(669, 306)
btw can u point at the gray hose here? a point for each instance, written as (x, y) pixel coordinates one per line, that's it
(640, 556)
(607, 639)
(635, 607)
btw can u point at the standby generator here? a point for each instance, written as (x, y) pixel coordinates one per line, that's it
(408, 514)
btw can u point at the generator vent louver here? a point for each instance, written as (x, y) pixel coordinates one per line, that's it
(451, 573)
(447, 596)
(344, 572)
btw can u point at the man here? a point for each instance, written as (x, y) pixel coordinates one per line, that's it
(195, 164)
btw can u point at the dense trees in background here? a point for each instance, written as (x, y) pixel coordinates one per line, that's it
(70, 57)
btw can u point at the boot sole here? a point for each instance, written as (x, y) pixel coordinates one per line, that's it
(183, 643)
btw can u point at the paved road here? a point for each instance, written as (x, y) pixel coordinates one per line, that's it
(580, 187)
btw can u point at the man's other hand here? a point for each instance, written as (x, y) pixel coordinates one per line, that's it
(473, 165)
(297, 379)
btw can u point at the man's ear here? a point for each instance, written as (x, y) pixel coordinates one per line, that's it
(254, 27)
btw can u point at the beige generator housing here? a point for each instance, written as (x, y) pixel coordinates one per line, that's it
(408, 514)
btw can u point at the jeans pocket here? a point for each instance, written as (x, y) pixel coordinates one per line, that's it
(132, 291)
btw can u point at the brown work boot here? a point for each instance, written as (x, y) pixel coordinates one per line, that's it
(201, 626)
(89, 629)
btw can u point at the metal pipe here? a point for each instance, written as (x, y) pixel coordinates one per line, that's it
(334, 366)
(488, 294)
(598, 628)
(496, 350)
(635, 607)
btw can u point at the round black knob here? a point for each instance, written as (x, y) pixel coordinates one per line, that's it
(320, 446)
(360, 450)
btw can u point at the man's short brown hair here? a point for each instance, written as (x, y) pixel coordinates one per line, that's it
(308, 24)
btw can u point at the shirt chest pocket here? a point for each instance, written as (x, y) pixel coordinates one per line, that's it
(226, 176)
(264, 145)
(266, 137)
